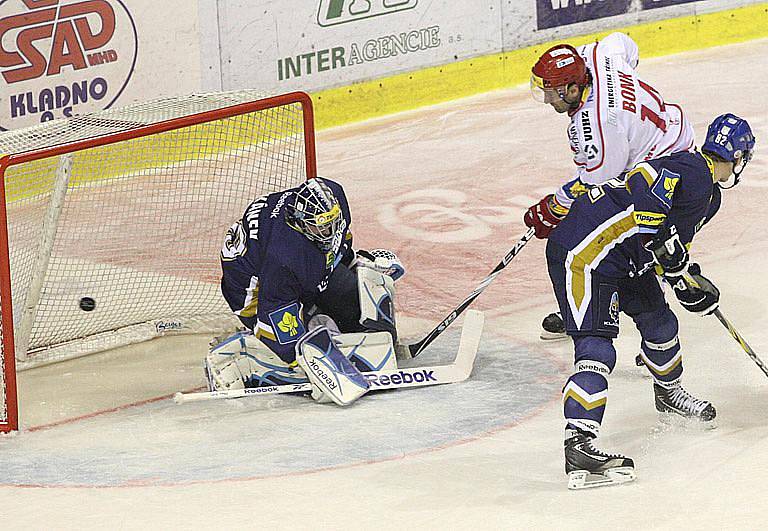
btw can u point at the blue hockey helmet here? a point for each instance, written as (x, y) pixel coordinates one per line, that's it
(315, 212)
(731, 139)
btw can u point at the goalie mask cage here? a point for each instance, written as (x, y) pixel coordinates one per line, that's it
(128, 209)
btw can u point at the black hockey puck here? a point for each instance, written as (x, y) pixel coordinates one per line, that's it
(87, 304)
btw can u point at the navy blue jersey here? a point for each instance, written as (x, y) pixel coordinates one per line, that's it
(272, 274)
(603, 225)
(678, 190)
(604, 229)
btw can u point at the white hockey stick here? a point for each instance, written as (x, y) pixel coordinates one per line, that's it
(458, 371)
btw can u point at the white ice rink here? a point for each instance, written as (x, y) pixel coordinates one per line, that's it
(103, 446)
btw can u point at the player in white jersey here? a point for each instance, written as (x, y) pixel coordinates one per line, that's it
(617, 121)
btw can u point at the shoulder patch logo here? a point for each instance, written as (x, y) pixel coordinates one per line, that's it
(286, 324)
(664, 187)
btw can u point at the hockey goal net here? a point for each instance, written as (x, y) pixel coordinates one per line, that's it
(112, 222)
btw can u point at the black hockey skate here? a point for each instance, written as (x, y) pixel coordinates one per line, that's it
(676, 400)
(553, 328)
(588, 466)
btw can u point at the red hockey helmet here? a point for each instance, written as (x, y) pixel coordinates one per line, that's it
(559, 66)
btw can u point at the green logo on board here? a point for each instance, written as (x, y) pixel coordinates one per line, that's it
(333, 12)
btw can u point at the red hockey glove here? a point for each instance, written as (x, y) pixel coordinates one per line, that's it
(544, 216)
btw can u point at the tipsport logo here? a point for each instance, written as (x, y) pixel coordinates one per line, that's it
(59, 58)
(332, 12)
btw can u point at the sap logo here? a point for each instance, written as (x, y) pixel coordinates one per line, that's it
(401, 377)
(333, 12)
(63, 57)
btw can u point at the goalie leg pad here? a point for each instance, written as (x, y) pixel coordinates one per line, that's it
(242, 361)
(377, 300)
(368, 351)
(328, 369)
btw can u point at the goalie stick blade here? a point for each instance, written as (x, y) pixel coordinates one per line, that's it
(469, 344)
(457, 371)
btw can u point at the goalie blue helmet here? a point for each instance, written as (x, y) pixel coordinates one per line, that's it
(731, 139)
(315, 212)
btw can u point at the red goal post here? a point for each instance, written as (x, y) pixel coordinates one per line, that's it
(111, 222)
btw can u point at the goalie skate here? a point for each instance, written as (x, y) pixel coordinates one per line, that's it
(588, 467)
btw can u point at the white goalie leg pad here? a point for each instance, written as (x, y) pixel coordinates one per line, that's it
(368, 351)
(328, 369)
(377, 300)
(242, 361)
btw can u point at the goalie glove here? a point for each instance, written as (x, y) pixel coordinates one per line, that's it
(695, 292)
(383, 261)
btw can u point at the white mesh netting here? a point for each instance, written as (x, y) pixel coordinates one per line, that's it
(138, 222)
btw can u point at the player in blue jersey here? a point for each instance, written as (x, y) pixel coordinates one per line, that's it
(604, 258)
(291, 276)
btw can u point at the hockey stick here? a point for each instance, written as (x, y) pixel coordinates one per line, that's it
(416, 348)
(735, 334)
(458, 371)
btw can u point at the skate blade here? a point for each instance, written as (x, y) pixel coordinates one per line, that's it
(673, 420)
(582, 479)
(552, 336)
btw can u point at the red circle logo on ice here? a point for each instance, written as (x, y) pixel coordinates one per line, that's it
(59, 58)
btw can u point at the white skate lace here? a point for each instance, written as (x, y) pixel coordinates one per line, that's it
(597, 451)
(684, 401)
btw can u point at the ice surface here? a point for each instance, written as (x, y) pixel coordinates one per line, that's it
(445, 187)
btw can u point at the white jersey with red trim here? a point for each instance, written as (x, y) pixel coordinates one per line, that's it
(622, 121)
